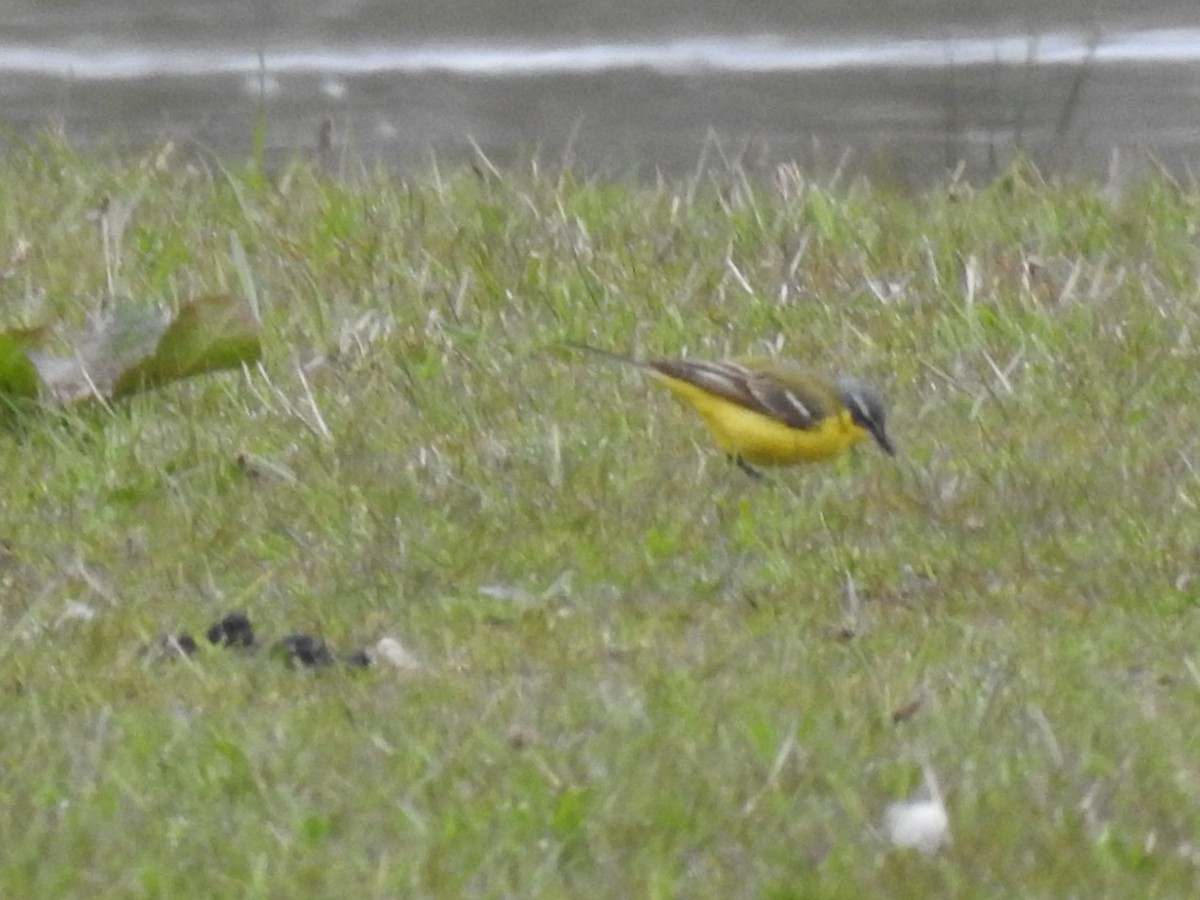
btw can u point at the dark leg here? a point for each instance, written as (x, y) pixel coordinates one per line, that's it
(748, 469)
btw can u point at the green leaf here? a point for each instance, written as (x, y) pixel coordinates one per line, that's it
(208, 334)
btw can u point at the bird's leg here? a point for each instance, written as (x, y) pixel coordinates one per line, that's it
(747, 468)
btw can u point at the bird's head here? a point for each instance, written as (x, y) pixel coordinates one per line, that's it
(866, 409)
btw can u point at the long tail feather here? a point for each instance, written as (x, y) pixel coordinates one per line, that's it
(606, 354)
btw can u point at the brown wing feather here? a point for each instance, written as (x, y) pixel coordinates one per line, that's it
(752, 390)
(789, 405)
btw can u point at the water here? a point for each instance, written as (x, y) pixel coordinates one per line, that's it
(910, 88)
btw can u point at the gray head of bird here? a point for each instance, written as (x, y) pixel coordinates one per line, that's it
(866, 408)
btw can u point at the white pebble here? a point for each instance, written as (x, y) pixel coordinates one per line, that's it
(389, 651)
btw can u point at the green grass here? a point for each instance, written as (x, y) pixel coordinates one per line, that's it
(644, 675)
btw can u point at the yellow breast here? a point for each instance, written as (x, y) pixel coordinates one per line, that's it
(761, 440)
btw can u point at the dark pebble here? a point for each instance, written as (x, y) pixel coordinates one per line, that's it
(359, 659)
(305, 650)
(234, 630)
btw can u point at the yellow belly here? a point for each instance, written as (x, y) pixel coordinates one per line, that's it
(761, 440)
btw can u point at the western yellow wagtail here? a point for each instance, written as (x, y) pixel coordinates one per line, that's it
(771, 412)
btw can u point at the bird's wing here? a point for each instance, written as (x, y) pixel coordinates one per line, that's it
(754, 389)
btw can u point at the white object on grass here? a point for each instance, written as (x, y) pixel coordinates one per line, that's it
(389, 651)
(920, 823)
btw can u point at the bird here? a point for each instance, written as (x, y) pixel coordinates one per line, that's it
(766, 411)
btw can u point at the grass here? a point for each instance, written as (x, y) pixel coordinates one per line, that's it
(643, 674)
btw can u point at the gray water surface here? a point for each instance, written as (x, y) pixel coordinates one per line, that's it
(910, 88)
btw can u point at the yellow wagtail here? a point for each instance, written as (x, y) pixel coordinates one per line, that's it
(771, 412)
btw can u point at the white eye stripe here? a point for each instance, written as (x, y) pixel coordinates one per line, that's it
(862, 408)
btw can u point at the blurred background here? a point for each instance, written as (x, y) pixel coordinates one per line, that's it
(902, 89)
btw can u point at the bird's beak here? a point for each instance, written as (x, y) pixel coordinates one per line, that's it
(884, 441)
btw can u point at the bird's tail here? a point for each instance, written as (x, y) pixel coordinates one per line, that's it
(605, 354)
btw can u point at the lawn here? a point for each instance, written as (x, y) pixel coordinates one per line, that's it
(639, 673)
